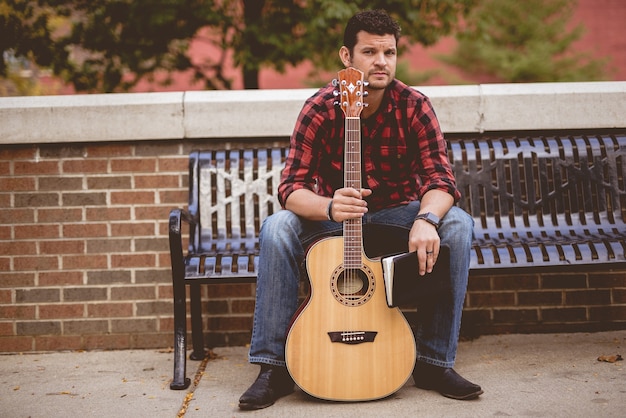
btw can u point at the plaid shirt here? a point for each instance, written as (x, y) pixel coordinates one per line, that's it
(403, 153)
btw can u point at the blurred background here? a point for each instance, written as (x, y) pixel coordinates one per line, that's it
(51, 47)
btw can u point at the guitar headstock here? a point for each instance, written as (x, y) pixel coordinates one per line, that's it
(351, 93)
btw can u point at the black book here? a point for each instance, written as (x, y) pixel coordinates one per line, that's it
(404, 285)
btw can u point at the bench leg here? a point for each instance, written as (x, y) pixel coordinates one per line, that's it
(197, 336)
(180, 381)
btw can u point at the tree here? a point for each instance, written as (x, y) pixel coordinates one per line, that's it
(523, 41)
(109, 45)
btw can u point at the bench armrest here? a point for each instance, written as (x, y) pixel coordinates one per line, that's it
(177, 218)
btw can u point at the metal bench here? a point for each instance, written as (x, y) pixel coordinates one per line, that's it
(536, 202)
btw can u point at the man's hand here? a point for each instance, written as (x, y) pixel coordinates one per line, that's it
(424, 239)
(348, 203)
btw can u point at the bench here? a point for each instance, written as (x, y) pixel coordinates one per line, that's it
(536, 202)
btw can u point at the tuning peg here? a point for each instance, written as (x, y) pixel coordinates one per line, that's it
(335, 82)
(366, 93)
(366, 83)
(335, 93)
(336, 103)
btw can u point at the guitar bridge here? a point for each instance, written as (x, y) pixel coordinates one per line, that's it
(352, 337)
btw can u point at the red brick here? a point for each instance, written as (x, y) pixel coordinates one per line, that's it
(110, 182)
(5, 232)
(16, 344)
(16, 279)
(84, 199)
(22, 153)
(540, 298)
(515, 315)
(57, 342)
(132, 229)
(35, 263)
(230, 323)
(242, 306)
(85, 326)
(85, 166)
(38, 327)
(17, 312)
(515, 282)
(134, 165)
(108, 214)
(107, 342)
(608, 313)
(60, 183)
(151, 340)
(36, 231)
(563, 315)
(165, 291)
(85, 230)
(608, 280)
(6, 328)
(32, 167)
(132, 260)
(564, 281)
(5, 264)
(487, 299)
(60, 278)
(175, 164)
(62, 247)
(152, 212)
(73, 262)
(108, 150)
(5, 296)
(59, 310)
(17, 184)
(36, 200)
(588, 297)
(109, 310)
(109, 245)
(18, 247)
(174, 196)
(133, 197)
(62, 215)
(157, 181)
(84, 294)
(134, 325)
(133, 293)
(232, 290)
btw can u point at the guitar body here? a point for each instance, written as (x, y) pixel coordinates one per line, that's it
(346, 344)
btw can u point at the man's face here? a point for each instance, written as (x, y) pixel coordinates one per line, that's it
(376, 56)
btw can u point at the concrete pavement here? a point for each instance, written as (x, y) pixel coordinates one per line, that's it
(549, 375)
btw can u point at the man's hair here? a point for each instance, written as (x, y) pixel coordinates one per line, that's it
(377, 22)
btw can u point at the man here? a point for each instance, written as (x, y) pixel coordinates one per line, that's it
(408, 186)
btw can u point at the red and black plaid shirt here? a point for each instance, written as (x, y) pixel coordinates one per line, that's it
(403, 150)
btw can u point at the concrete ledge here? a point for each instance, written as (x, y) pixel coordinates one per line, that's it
(272, 113)
(91, 118)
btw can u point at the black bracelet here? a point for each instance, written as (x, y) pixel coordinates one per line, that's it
(329, 211)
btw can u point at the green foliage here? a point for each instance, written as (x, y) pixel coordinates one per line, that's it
(523, 41)
(110, 45)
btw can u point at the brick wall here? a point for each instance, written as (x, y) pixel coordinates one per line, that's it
(84, 261)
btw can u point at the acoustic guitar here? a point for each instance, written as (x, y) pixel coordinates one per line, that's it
(346, 344)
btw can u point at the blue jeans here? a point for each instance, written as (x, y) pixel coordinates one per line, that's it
(284, 238)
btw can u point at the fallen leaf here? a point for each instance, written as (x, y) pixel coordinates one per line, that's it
(611, 359)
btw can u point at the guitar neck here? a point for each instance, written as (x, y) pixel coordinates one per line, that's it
(352, 228)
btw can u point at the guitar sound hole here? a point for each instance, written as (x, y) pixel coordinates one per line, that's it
(353, 287)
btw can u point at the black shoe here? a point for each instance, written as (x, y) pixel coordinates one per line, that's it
(272, 383)
(445, 381)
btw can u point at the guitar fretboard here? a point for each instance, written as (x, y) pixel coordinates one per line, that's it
(352, 228)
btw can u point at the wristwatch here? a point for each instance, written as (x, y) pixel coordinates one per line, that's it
(430, 218)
